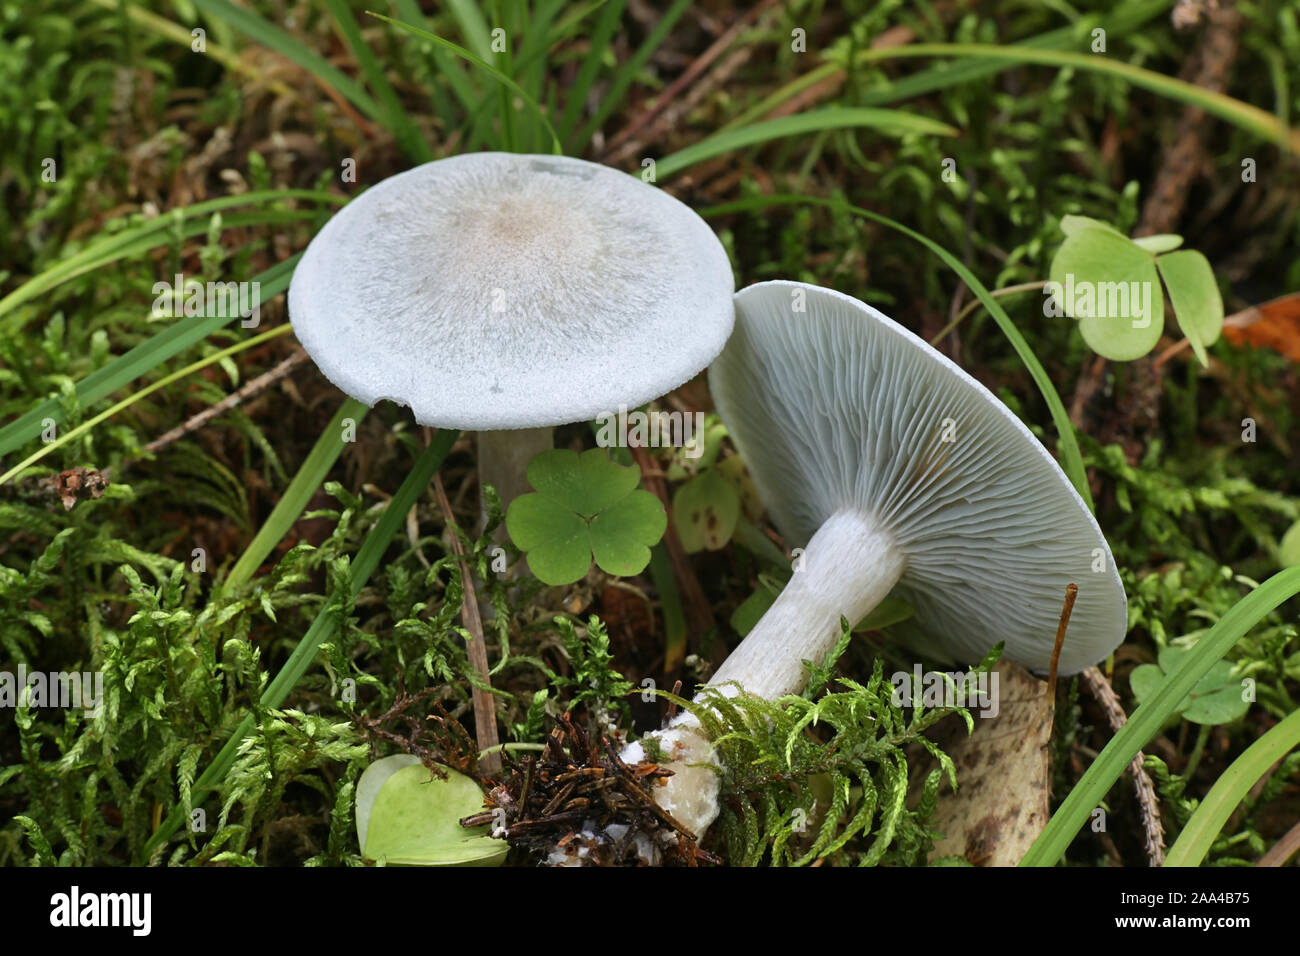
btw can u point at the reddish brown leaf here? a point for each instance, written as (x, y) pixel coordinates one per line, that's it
(1274, 325)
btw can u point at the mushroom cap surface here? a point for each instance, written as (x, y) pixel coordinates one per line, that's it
(499, 290)
(838, 407)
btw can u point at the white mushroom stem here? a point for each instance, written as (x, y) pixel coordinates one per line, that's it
(503, 458)
(848, 568)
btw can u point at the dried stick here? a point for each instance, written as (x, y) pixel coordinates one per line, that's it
(1153, 829)
(1283, 849)
(698, 66)
(699, 613)
(485, 718)
(246, 391)
(1071, 592)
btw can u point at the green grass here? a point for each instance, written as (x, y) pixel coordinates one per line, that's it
(224, 683)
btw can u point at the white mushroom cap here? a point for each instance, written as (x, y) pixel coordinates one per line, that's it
(839, 407)
(506, 291)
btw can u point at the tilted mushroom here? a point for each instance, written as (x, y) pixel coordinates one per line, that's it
(509, 293)
(898, 473)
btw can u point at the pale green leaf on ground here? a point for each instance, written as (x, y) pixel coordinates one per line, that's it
(408, 817)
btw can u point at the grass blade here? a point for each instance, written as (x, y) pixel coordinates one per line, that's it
(325, 623)
(1250, 118)
(461, 52)
(627, 73)
(1117, 23)
(1229, 790)
(577, 94)
(311, 474)
(670, 601)
(144, 357)
(1151, 716)
(395, 118)
(473, 28)
(68, 436)
(272, 37)
(892, 122)
(124, 243)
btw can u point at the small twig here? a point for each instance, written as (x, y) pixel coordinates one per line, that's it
(246, 391)
(672, 704)
(1071, 592)
(688, 76)
(1088, 384)
(698, 610)
(1283, 849)
(1153, 828)
(1238, 320)
(485, 720)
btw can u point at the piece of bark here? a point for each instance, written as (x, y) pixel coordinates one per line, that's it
(1003, 775)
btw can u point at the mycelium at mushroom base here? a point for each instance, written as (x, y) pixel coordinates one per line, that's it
(509, 293)
(896, 472)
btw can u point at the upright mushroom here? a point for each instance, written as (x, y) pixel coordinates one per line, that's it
(509, 293)
(897, 472)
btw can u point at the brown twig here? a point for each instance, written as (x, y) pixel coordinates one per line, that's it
(1186, 159)
(485, 719)
(1071, 592)
(1153, 828)
(1283, 849)
(699, 613)
(246, 391)
(701, 63)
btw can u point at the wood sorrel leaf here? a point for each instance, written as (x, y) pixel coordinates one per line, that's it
(408, 817)
(1110, 285)
(621, 536)
(586, 484)
(584, 504)
(555, 538)
(1164, 242)
(705, 511)
(1070, 225)
(1195, 297)
(1216, 698)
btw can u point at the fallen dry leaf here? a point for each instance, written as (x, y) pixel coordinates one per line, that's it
(1274, 325)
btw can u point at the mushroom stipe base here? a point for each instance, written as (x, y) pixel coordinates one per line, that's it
(848, 568)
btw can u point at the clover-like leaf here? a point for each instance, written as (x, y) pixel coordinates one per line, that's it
(554, 536)
(584, 504)
(1195, 297)
(705, 511)
(621, 536)
(1110, 285)
(407, 817)
(1070, 225)
(1157, 244)
(585, 484)
(1216, 698)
